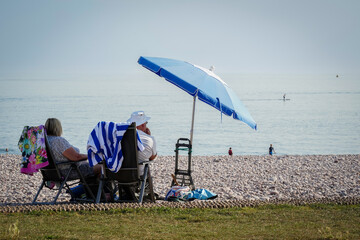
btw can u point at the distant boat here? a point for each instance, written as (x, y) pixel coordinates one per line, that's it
(337, 75)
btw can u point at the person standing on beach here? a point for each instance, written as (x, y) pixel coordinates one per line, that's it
(147, 140)
(271, 150)
(230, 152)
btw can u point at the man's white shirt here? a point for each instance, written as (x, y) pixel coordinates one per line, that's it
(150, 148)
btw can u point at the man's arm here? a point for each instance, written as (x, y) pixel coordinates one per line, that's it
(153, 157)
(147, 131)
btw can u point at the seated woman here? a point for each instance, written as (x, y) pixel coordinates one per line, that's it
(64, 152)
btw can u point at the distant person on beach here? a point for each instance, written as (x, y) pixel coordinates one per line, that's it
(271, 150)
(148, 141)
(64, 152)
(230, 152)
(284, 96)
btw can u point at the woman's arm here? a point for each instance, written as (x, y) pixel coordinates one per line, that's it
(72, 155)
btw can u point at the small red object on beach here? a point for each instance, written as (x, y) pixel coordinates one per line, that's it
(230, 152)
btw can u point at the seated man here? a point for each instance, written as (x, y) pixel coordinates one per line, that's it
(149, 153)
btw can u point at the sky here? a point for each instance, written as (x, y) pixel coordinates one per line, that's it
(90, 39)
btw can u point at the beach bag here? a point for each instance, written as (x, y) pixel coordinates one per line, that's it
(201, 194)
(178, 193)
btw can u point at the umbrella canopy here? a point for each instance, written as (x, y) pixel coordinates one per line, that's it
(202, 83)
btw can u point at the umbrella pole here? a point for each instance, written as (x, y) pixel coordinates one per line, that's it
(192, 121)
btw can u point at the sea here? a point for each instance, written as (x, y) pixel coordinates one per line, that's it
(321, 113)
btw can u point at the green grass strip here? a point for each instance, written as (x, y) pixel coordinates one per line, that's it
(315, 221)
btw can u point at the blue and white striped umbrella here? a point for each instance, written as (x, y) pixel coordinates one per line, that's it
(202, 83)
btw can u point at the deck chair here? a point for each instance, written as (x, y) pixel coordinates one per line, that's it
(127, 181)
(52, 174)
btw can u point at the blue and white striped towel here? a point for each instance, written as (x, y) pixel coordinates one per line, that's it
(105, 143)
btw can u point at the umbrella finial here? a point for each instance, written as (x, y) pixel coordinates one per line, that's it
(212, 68)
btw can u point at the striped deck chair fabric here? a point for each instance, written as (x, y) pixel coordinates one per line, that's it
(104, 143)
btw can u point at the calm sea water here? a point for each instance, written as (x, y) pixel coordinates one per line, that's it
(321, 117)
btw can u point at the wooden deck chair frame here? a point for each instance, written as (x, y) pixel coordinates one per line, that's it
(128, 175)
(52, 173)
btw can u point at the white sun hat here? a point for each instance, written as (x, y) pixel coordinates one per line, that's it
(138, 117)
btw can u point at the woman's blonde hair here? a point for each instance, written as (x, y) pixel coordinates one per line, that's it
(53, 127)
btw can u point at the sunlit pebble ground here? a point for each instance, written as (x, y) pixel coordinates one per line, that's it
(231, 178)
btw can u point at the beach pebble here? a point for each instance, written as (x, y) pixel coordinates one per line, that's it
(263, 178)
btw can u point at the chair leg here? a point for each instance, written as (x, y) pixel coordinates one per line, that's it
(38, 192)
(82, 178)
(101, 184)
(61, 186)
(100, 190)
(58, 193)
(143, 183)
(151, 187)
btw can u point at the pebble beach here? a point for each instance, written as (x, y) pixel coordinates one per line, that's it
(261, 178)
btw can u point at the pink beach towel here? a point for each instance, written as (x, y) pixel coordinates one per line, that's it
(32, 147)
